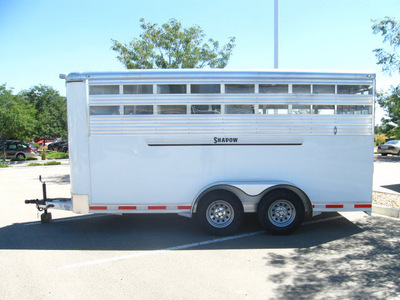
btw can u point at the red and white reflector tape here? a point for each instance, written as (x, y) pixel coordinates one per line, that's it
(341, 206)
(139, 207)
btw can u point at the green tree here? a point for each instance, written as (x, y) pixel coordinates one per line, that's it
(389, 28)
(17, 117)
(51, 111)
(390, 102)
(171, 46)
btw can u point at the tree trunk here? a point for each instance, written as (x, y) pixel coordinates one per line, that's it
(4, 151)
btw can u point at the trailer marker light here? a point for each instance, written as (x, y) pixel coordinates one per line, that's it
(362, 206)
(130, 207)
(98, 207)
(334, 206)
(184, 207)
(157, 207)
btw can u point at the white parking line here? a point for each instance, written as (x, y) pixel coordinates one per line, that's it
(180, 247)
(154, 252)
(387, 217)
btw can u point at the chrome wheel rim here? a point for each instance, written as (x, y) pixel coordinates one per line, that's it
(281, 213)
(220, 214)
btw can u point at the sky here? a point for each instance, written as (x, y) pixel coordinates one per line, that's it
(42, 38)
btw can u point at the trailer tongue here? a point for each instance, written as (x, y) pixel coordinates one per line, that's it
(46, 203)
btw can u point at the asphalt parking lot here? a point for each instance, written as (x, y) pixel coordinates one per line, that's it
(386, 174)
(349, 256)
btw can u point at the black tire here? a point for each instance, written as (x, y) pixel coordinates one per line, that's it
(384, 154)
(220, 213)
(281, 212)
(20, 155)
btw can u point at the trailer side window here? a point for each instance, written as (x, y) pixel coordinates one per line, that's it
(270, 109)
(239, 88)
(323, 89)
(103, 89)
(205, 88)
(138, 89)
(274, 88)
(205, 109)
(324, 109)
(354, 109)
(104, 110)
(171, 89)
(354, 89)
(301, 109)
(171, 109)
(239, 109)
(301, 88)
(138, 109)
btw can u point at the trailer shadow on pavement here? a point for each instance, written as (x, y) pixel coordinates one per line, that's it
(392, 187)
(358, 266)
(385, 159)
(154, 232)
(331, 257)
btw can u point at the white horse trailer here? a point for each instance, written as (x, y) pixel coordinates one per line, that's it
(216, 144)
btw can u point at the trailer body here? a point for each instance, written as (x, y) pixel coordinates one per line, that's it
(163, 141)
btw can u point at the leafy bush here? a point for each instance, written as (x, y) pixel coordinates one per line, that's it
(44, 154)
(380, 139)
(4, 166)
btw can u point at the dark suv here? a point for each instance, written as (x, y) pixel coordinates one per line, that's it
(18, 149)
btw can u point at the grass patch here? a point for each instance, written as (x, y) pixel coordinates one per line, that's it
(31, 158)
(23, 159)
(57, 155)
(17, 159)
(4, 166)
(52, 163)
(34, 164)
(49, 163)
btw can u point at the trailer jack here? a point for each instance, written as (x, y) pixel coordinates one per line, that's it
(46, 203)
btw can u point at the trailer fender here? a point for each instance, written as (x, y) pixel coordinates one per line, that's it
(250, 193)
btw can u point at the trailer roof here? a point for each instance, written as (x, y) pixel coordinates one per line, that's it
(219, 73)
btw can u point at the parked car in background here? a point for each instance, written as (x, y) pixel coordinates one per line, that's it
(54, 145)
(18, 149)
(43, 141)
(30, 145)
(390, 147)
(63, 147)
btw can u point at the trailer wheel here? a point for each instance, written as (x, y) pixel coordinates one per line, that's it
(220, 213)
(281, 212)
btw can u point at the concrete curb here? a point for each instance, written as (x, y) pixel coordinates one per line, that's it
(386, 211)
(26, 162)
